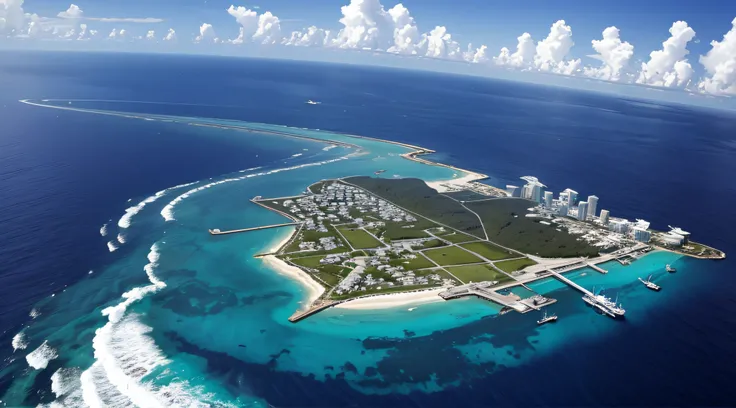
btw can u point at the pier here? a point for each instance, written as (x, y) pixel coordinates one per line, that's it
(235, 231)
(315, 308)
(597, 268)
(570, 283)
(484, 290)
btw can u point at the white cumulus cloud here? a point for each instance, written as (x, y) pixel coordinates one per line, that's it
(310, 37)
(269, 29)
(552, 51)
(171, 35)
(523, 57)
(668, 67)
(614, 53)
(12, 16)
(720, 65)
(151, 35)
(439, 44)
(206, 34)
(72, 12)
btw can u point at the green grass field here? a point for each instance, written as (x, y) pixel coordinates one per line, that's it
(451, 256)
(457, 238)
(478, 273)
(359, 239)
(433, 243)
(514, 264)
(489, 251)
(308, 261)
(411, 264)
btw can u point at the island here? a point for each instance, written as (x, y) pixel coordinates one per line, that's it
(364, 237)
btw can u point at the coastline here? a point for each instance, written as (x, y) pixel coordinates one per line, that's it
(443, 186)
(391, 300)
(313, 288)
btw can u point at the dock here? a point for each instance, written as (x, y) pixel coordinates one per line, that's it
(484, 290)
(315, 308)
(570, 283)
(597, 268)
(235, 231)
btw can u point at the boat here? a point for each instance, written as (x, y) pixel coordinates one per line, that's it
(670, 269)
(648, 283)
(311, 102)
(547, 318)
(605, 305)
(379, 172)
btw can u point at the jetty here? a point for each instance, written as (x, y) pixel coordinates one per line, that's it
(597, 268)
(570, 283)
(316, 307)
(484, 290)
(235, 231)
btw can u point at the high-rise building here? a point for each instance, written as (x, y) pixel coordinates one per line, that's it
(533, 189)
(562, 209)
(592, 206)
(513, 191)
(604, 217)
(620, 226)
(572, 196)
(583, 211)
(642, 235)
(679, 231)
(548, 199)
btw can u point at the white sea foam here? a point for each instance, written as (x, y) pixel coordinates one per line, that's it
(103, 230)
(121, 238)
(246, 170)
(34, 313)
(296, 155)
(127, 218)
(19, 341)
(168, 210)
(328, 148)
(40, 357)
(111, 246)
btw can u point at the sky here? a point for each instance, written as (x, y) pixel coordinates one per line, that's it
(678, 45)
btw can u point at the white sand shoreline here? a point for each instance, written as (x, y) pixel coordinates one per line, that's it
(457, 183)
(314, 289)
(391, 300)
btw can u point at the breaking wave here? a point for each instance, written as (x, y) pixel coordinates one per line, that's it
(330, 147)
(111, 246)
(34, 313)
(168, 210)
(40, 357)
(296, 155)
(103, 230)
(19, 341)
(121, 238)
(127, 218)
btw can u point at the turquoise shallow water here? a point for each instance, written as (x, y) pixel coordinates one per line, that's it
(213, 316)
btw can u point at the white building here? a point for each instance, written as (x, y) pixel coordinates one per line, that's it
(641, 234)
(548, 199)
(679, 231)
(604, 217)
(562, 209)
(571, 195)
(513, 191)
(620, 226)
(582, 211)
(533, 189)
(673, 239)
(592, 206)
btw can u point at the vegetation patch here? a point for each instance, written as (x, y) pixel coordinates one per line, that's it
(478, 273)
(506, 223)
(489, 251)
(451, 255)
(514, 264)
(359, 239)
(412, 264)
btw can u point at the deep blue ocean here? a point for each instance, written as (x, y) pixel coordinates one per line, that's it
(219, 320)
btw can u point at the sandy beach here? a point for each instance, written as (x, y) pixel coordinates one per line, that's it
(458, 183)
(393, 300)
(314, 289)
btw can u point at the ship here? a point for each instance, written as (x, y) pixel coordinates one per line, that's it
(547, 318)
(605, 305)
(670, 269)
(648, 283)
(311, 102)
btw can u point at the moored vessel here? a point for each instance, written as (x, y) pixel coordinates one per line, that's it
(547, 318)
(649, 284)
(670, 268)
(605, 305)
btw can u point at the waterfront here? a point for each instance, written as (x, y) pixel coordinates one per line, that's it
(473, 355)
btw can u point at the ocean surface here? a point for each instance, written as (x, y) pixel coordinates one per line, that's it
(112, 293)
